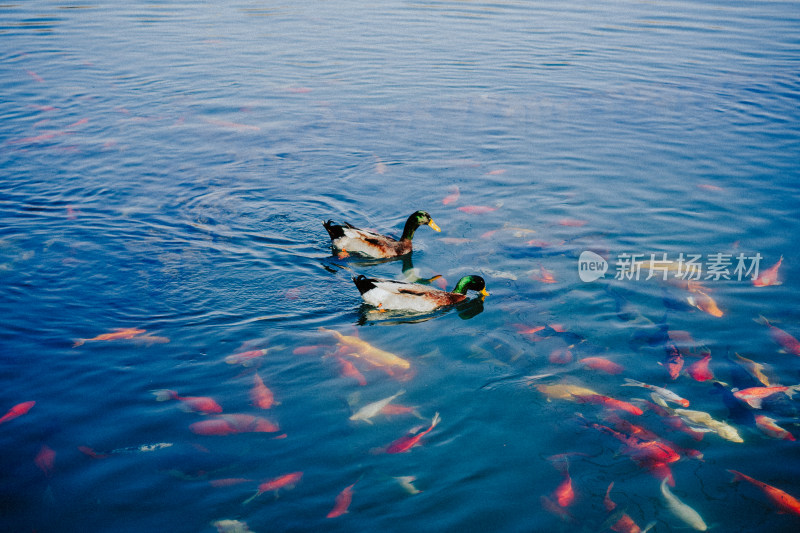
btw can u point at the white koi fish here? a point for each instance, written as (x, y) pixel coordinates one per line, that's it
(666, 394)
(372, 409)
(681, 510)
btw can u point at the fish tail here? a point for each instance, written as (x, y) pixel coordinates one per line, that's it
(649, 526)
(79, 342)
(791, 390)
(737, 476)
(436, 420)
(762, 320)
(632, 383)
(251, 498)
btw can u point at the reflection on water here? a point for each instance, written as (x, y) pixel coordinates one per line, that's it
(166, 172)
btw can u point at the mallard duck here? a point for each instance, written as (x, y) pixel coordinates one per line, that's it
(394, 295)
(351, 239)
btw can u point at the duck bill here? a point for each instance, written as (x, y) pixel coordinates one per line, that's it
(433, 225)
(484, 293)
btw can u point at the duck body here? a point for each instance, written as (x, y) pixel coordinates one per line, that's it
(395, 295)
(351, 239)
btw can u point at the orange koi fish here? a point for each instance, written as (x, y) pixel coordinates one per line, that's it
(525, 330)
(45, 459)
(286, 481)
(342, 502)
(631, 429)
(247, 359)
(784, 502)
(260, 394)
(404, 444)
(769, 276)
(18, 410)
(453, 196)
(544, 275)
(349, 370)
(789, 343)
(200, 404)
(754, 396)
(700, 371)
(496, 172)
(306, 350)
(603, 364)
(477, 209)
(625, 524)
(770, 427)
(117, 334)
(673, 362)
(647, 453)
(673, 421)
(703, 301)
(607, 401)
(564, 494)
(395, 409)
(231, 424)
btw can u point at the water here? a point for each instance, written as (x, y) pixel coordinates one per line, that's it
(168, 167)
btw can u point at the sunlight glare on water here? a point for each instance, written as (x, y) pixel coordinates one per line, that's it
(166, 170)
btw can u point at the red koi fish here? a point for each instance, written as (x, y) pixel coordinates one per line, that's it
(45, 459)
(200, 404)
(248, 358)
(673, 421)
(18, 410)
(602, 364)
(770, 427)
(641, 433)
(453, 196)
(571, 222)
(784, 502)
(789, 343)
(117, 334)
(754, 396)
(286, 481)
(673, 362)
(651, 454)
(607, 401)
(260, 394)
(477, 209)
(228, 481)
(700, 371)
(404, 444)
(393, 409)
(231, 424)
(349, 370)
(564, 494)
(342, 502)
(560, 356)
(769, 276)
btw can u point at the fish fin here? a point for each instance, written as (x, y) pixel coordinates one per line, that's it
(762, 320)
(79, 342)
(649, 526)
(436, 419)
(251, 498)
(632, 383)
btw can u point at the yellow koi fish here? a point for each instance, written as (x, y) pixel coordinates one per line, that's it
(358, 348)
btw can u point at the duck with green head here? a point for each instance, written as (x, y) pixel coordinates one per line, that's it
(387, 294)
(351, 239)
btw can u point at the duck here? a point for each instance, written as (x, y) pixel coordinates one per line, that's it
(351, 239)
(393, 295)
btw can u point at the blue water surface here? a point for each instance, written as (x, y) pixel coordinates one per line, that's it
(167, 167)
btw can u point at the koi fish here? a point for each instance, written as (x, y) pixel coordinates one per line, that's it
(18, 410)
(560, 356)
(624, 524)
(231, 526)
(701, 418)
(394, 409)
(670, 418)
(754, 396)
(607, 401)
(370, 410)
(496, 172)
(673, 362)
(688, 515)
(704, 302)
(404, 444)
(642, 433)
(789, 343)
(260, 394)
(306, 350)
(286, 481)
(45, 459)
(769, 276)
(453, 196)
(228, 481)
(564, 391)
(349, 370)
(572, 222)
(247, 359)
(700, 371)
(601, 363)
(407, 482)
(117, 334)
(477, 209)
(200, 404)
(564, 494)
(525, 330)
(783, 501)
(666, 394)
(770, 427)
(342, 502)
(231, 424)
(754, 369)
(358, 348)
(544, 275)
